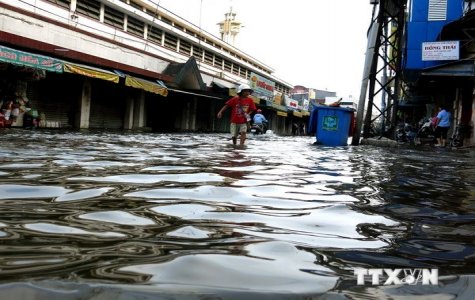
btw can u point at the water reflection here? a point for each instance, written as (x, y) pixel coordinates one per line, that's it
(194, 213)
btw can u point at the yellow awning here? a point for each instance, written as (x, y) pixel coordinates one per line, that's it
(146, 85)
(282, 114)
(297, 114)
(91, 72)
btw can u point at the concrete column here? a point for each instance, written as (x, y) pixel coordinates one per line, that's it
(185, 114)
(84, 106)
(139, 111)
(194, 106)
(129, 112)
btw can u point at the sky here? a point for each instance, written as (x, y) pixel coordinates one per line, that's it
(315, 43)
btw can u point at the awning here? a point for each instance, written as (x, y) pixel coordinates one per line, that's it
(297, 114)
(222, 83)
(465, 68)
(26, 59)
(279, 107)
(91, 72)
(196, 94)
(146, 85)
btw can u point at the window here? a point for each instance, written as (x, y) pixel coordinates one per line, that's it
(135, 5)
(179, 27)
(218, 61)
(155, 35)
(135, 26)
(209, 58)
(113, 18)
(171, 41)
(243, 72)
(235, 69)
(89, 8)
(198, 53)
(185, 47)
(227, 65)
(62, 3)
(168, 21)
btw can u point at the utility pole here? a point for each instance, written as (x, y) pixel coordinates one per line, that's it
(384, 47)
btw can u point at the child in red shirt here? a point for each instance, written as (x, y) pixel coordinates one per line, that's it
(242, 106)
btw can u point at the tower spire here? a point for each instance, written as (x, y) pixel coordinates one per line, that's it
(229, 28)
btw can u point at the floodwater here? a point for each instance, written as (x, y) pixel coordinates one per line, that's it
(189, 216)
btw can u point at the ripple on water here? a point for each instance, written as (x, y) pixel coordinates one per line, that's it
(84, 194)
(69, 230)
(263, 271)
(191, 212)
(143, 178)
(17, 191)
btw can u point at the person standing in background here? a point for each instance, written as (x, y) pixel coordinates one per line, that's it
(442, 126)
(241, 108)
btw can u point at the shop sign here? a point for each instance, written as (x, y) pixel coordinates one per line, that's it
(292, 103)
(446, 50)
(263, 88)
(26, 59)
(305, 105)
(278, 98)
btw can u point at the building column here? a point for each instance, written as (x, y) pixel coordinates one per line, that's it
(139, 111)
(129, 112)
(84, 112)
(188, 121)
(194, 106)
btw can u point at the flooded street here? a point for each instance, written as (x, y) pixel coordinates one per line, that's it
(191, 216)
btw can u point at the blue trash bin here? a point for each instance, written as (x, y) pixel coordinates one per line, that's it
(332, 124)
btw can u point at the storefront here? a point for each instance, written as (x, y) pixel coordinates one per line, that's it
(19, 71)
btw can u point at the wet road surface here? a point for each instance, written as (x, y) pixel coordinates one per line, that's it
(183, 216)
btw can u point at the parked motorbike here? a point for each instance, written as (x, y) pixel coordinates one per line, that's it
(426, 132)
(258, 128)
(405, 133)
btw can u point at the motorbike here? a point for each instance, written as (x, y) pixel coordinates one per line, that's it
(426, 132)
(405, 133)
(258, 128)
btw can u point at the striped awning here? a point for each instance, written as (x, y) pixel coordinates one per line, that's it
(26, 59)
(91, 72)
(146, 85)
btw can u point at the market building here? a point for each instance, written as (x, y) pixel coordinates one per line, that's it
(88, 64)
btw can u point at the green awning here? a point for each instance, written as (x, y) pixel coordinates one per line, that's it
(31, 60)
